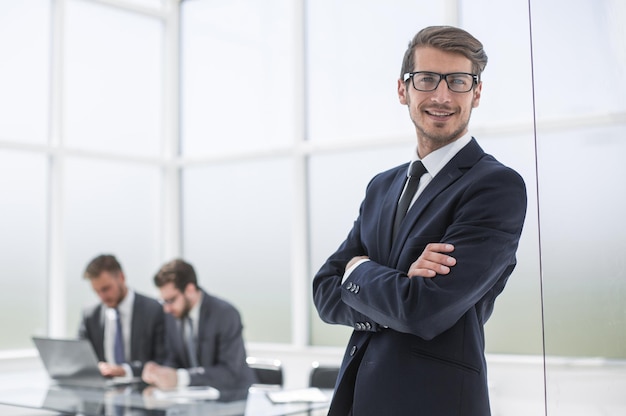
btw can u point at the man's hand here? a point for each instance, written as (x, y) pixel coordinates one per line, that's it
(111, 370)
(433, 261)
(160, 376)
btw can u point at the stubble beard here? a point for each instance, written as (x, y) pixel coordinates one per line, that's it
(123, 291)
(186, 309)
(435, 135)
(440, 139)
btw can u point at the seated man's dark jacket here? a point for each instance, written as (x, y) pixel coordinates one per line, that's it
(221, 349)
(147, 339)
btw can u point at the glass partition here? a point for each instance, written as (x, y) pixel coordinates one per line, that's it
(580, 89)
(111, 208)
(112, 80)
(236, 233)
(24, 74)
(23, 246)
(239, 78)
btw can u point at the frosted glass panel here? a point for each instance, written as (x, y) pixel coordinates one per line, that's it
(586, 76)
(24, 71)
(23, 223)
(237, 236)
(238, 75)
(113, 84)
(506, 101)
(151, 4)
(110, 207)
(580, 72)
(337, 187)
(583, 228)
(353, 64)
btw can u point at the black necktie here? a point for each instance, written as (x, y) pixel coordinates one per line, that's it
(118, 346)
(415, 173)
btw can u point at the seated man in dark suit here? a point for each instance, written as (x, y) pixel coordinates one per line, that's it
(122, 345)
(203, 336)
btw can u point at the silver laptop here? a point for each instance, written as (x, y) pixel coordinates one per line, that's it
(72, 362)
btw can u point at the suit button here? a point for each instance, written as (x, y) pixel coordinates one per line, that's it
(349, 286)
(357, 288)
(353, 350)
(368, 326)
(359, 326)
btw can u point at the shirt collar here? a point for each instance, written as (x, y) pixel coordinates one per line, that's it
(125, 307)
(194, 313)
(435, 161)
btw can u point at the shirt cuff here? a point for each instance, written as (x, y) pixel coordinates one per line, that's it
(184, 379)
(128, 373)
(351, 269)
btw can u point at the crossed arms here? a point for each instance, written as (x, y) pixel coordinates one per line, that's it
(431, 262)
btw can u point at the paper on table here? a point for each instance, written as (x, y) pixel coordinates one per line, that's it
(195, 393)
(312, 394)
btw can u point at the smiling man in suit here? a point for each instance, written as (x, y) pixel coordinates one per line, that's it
(417, 313)
(126, 329)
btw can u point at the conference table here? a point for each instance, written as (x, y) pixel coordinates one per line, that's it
(34, 390)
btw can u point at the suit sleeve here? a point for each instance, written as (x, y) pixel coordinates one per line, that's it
(483, 221)
(82, 329)
(327, 285)
(148, 332)
(91, 330)
(226, 368)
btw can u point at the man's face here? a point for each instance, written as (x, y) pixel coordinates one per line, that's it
(175, 302)
(440, 116)
(110, 287)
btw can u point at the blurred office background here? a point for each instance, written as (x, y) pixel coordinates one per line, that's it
(240, 135)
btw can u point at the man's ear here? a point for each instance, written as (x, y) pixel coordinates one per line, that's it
(402, 92)
(477, 92)
(190, 289)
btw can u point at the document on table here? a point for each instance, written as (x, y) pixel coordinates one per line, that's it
(311, 395)
(188, 393)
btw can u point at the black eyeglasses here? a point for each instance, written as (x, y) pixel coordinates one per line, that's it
(429, 81)
(170, 300)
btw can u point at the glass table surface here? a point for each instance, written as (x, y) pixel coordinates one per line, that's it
(34, 390)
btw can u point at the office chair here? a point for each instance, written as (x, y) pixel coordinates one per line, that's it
(323, 377)
(269, 372)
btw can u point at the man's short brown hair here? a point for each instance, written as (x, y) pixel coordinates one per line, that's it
(102, 263)
(178, 272)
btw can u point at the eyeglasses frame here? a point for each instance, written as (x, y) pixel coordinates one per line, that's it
(410, 75)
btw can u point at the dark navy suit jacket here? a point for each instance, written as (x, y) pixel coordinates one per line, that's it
(220, 347)
(147, 332)
(418, 344)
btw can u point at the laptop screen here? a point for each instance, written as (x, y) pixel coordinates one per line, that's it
(67, 358)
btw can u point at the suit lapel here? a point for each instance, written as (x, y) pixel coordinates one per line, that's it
(98, 341)
(137, 314)
(467, 157)
(386, 218)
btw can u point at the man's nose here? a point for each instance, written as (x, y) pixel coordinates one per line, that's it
(442, 93)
